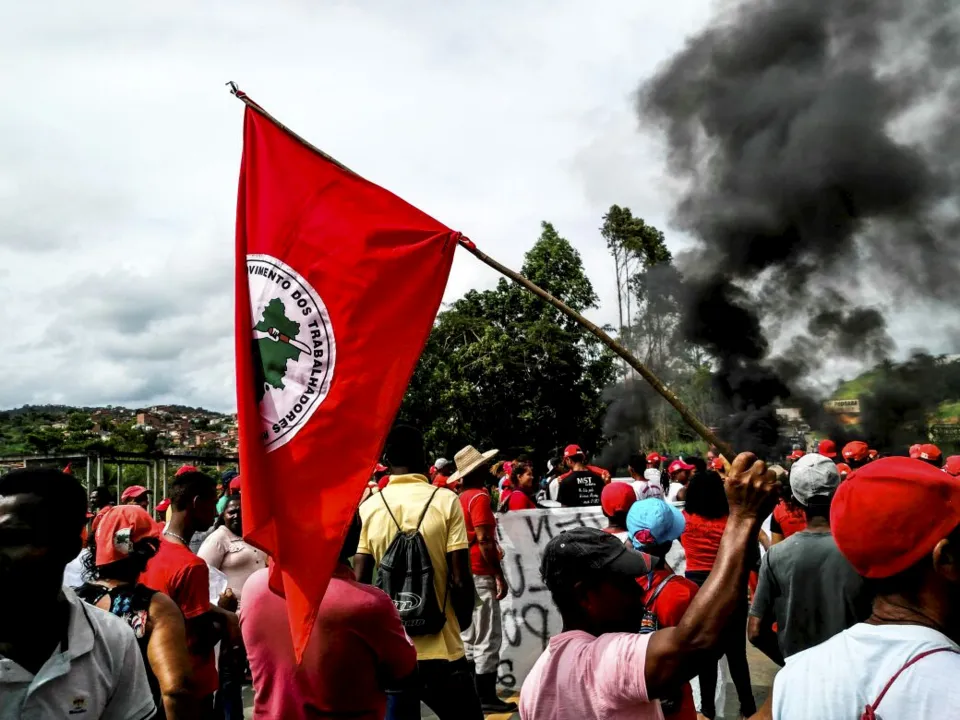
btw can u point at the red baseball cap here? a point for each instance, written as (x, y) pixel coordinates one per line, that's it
(796, 455)
(654, 457)
(891, 513)
(235, 483)
(617, 497)
(717, 464)
(827, 448)
(678, 465)
(185, 469)
(952, 466)
(844, 470)
(119, 529)
(856, 451)
(133, 492)
(572, 450)
(163, 505)
(930, 452)
(915, 451)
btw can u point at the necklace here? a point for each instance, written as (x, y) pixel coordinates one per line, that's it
(174, 535)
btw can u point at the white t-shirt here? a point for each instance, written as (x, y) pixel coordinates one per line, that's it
(838, 678)
(673, 490)
(99, 674)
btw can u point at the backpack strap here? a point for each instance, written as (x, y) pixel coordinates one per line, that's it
(869, 712)
(390, 512)
(659, 588)
(425, 508)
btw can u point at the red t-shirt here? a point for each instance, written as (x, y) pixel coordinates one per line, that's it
(787, 521)
(477, 511)
(177, 572)
(669, 607)
(701, 540)
(357, 645)
(519, 500)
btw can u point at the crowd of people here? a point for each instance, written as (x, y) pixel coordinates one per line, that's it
(842, 567)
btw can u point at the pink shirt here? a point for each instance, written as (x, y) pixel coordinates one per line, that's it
(583, 677)
(231, 555)
(357, 642)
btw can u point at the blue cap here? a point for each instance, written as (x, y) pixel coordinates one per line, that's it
(653, 522)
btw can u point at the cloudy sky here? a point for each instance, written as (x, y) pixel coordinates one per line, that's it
(119, 151)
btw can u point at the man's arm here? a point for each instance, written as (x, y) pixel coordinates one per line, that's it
(674, 655)
(363, 565)
(462, 591)
(759, 630)
(170, 659)
(485, 527)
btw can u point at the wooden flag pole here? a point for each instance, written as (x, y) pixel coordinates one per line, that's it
(692, 420)
(688, 417)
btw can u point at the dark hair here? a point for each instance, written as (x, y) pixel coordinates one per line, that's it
(127, 569)
(699, 467)
(404, 448)
(637, 463)
(191, 484)
(103, 496)
(519, 468)
(63, 497)
(351, 540)
(706, 496)
(818, 507)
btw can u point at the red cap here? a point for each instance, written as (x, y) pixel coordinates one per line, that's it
(891, 513)
(617, 497)
(185, 469)
(930, 452)
(873, 454)
(654, 458)
(133, 492)
(952, 465)
(856, 451)
(163, 505)
(796, 455)
(678, 465)
(119, 529)
(380, 468)
(827, 448)
(717, 464)
(844, 470)
(915, 451)
(572, 450)
(235, 483)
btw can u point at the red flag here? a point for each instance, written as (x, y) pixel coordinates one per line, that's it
(338, 282)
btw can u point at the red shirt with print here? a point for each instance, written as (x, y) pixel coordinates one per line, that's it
(701, 541)
(177, 572)
(476, 512)
(519, 500)
(670, 605)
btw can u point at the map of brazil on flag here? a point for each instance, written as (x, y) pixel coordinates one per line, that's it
(338, 282)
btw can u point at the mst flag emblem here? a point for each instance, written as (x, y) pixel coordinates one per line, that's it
(293, 348)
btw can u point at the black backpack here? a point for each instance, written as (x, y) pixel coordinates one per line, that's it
(406, 575)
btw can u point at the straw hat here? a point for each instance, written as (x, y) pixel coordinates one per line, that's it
(468, 460)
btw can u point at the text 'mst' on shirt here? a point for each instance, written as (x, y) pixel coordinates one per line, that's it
(580, 488)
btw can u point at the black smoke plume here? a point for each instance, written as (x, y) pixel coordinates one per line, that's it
(820, 150)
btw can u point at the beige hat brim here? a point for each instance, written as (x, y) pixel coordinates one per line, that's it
(484, 458)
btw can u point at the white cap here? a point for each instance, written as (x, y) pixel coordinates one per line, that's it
(813, 475)
(441, 463)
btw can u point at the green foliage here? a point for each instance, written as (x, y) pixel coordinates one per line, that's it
(274, 354)
(504, 369)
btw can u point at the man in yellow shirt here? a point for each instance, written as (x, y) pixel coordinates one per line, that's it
(445, 681)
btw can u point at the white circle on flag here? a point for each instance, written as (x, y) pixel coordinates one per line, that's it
(293, 348)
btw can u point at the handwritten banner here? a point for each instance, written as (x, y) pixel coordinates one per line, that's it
(529, 616)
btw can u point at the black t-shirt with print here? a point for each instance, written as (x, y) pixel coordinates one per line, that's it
(580, 488)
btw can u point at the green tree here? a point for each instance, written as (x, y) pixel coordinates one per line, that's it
(504, 369)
